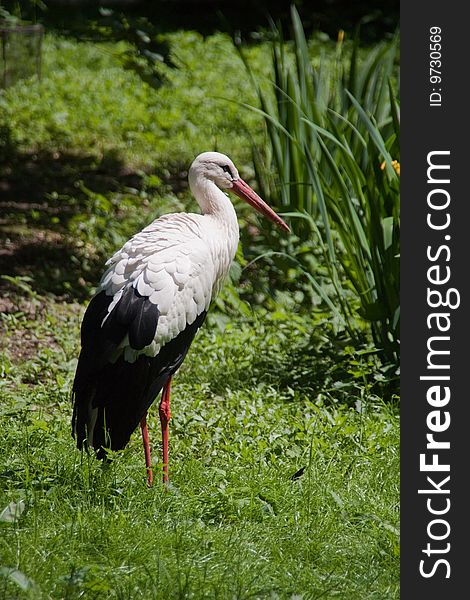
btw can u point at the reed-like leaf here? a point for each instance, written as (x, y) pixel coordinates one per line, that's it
(334, 154)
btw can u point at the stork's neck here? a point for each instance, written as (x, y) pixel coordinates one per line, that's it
(219, 214)
(214, 202)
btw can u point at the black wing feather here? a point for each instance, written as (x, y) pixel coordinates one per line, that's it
(124, 391)
(141, 328)
(117, 391)
(134, 315)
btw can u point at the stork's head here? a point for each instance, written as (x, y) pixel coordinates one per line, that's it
(218, 168)
(214, 166)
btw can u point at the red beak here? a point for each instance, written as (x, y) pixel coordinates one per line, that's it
(244, 191)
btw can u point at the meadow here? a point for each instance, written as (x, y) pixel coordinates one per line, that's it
(285, 431)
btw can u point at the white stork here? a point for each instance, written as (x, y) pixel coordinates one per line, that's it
(148, 307)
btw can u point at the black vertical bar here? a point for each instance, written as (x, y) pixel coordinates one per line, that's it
(435, 523)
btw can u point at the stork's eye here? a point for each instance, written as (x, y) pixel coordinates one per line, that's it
(226, 169)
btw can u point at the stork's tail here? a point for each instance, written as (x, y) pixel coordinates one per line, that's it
(110, 398)
(109, 404)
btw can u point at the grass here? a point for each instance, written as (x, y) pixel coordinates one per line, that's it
(236, 521)
(284, 457)
(92, 153)
(88, 100)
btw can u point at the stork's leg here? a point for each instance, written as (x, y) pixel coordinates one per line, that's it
(145, 439)
(165, 416)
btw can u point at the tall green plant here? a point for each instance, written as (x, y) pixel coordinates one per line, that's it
(333, 165)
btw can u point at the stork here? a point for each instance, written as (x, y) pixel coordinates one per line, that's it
(150, 302)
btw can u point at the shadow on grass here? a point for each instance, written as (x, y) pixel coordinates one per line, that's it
(322, 366)
(41, 194)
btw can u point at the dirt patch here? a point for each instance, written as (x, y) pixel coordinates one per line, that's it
(42, 195)
(23, 345)
(35, 261)
(24, 326)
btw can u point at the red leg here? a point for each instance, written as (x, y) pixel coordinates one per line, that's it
(145, 439)
(165, 416)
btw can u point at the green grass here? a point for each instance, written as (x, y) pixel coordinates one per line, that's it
(105, 153)
(88, 101)
(262, 396)
(234, 523)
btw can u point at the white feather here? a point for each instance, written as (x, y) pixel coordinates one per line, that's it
(120, 267)
(178, 261)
